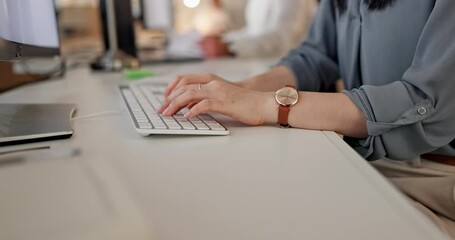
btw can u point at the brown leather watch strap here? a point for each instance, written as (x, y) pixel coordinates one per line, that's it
(283, 113)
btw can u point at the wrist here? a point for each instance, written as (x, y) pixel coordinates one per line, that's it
(270, 108)
(240, 84)
(247, 83)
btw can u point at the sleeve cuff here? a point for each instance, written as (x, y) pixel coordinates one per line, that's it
(392, 118)
(388, 107)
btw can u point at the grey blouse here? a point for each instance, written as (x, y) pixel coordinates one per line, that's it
(398, 66)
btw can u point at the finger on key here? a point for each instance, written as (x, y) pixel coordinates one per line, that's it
(183, 100)
(177, 92)
(182, 81)
(172, 85)
(205, 106)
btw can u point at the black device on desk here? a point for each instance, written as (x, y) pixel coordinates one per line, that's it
(28, 29)
(118, 36)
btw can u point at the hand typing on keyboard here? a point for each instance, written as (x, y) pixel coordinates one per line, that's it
(143, 101)
(209, 93)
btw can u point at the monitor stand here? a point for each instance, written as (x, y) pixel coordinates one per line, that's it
(114, 61)
(25, 123)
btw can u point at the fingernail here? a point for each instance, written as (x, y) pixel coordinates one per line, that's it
(187, 115)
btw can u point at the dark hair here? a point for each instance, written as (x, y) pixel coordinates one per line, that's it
(372, 4)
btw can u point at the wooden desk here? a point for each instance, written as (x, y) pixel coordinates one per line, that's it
(107, 182)
(8, 79)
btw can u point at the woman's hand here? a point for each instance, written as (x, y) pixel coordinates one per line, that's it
(210, 93)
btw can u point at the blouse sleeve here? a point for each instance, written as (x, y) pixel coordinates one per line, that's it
(314, 63)
(415, 115)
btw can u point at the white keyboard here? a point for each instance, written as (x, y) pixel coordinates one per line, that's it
(144, 99)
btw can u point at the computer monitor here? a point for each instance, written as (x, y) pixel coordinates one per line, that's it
(28, 29)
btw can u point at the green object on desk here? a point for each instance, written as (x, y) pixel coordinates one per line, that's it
(134, 74)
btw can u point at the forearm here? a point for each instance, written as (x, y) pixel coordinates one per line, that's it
(271, 80)
(323, 111)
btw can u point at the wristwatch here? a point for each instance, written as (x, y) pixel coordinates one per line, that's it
(286, 98)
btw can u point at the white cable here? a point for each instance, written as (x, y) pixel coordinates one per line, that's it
(97, 115)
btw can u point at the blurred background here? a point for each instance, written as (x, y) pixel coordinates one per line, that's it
(81, 29)
(160, 31)
(80, 26)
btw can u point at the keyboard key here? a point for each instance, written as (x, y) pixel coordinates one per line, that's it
(145, 125)
(188, 127)
(215, 126)
(197, 122)
(160, 127)
(218, 128)
(140, 117)
(142, 120)
(202, 127)
(184, 111)
(158, 123)
(174, 127)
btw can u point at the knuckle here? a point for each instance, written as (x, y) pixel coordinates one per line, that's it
(191, 92)
(177, 79)
(175, 104)
(180, 90)
(181, 99)
(214, 84)
(185, 81)
(171, 106)
(208, 104)
(201, 108)
(217, 85)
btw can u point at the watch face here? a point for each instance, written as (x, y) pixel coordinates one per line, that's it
(287, 96)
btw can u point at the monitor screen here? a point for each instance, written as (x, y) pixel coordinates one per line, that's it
(28, 28)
